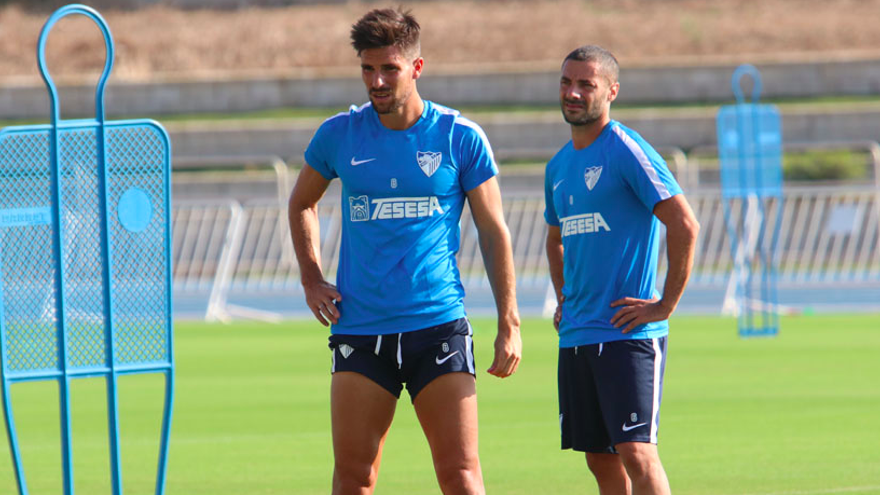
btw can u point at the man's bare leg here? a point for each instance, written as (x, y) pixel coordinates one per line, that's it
(361, 413)
(447, 410)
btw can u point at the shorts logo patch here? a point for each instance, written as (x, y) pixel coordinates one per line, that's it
(445, 347)
(633, 417)
(626, 427)
(345, 350)
(447, 358)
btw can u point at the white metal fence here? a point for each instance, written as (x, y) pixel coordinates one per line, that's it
(234, 257)
(829, 236)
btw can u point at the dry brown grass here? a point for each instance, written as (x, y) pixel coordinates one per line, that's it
(159, 41)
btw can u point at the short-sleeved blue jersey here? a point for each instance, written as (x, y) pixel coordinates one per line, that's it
(402, 197)
(602, 198)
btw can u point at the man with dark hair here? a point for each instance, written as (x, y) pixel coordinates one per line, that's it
(604, 192)
(406, 166)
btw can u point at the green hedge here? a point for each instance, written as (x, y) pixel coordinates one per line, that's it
(824, 165)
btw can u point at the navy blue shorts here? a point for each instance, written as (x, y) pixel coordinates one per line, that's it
(411, 358)
(610, 393)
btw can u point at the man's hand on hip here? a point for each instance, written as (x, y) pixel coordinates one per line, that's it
(635, 312)
(321, 298)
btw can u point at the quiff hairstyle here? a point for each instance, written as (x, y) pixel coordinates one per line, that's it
(380, 28)
(594, 53)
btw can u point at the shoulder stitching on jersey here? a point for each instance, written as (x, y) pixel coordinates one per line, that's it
(470, 124)
(340, 114)
(642, 157)
(348, 112)
(445, 110)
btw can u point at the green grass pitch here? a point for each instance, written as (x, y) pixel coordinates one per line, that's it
(793, 415)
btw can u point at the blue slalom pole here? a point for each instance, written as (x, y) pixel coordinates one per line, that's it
(7, 402)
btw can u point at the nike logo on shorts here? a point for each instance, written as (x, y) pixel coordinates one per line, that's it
(633, 427)
(441, 361)
(355, 163)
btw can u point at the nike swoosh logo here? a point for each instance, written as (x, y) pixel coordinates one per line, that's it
(355, 163)
(441, 361)
(633, 427)
(557, 184)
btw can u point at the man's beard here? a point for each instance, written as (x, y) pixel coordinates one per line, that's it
(592, 114)
(391, 105)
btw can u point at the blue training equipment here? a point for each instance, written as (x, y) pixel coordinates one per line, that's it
(750, 150)
(85, 258)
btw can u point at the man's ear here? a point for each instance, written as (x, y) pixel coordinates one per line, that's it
(612, 92)
(418, 64)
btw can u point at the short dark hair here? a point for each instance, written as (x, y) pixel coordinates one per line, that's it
(595, 53)
(380, 28)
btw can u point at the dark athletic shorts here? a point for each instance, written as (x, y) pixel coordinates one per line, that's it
(610, 393)
(411, 358)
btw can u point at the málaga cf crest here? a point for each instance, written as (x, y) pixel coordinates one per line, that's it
(591, 176)
(429, 161)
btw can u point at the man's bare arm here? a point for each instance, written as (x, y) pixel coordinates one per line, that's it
(485, 204)
(555, 258)
(681, 240)
(305, 232)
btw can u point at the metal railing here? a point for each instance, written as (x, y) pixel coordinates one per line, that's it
(829, 235)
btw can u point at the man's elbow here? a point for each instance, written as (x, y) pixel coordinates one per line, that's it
(296, 204)
(493, 231)
(690, 227)
(554, 236)
(684, 227)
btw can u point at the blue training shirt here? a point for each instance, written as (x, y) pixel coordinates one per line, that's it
(602, 198)
(402, 197)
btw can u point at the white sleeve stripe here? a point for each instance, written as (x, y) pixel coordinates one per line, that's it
(446, 110)
(340, 114)
(346, 113)
(473, 125)
(640, 155)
